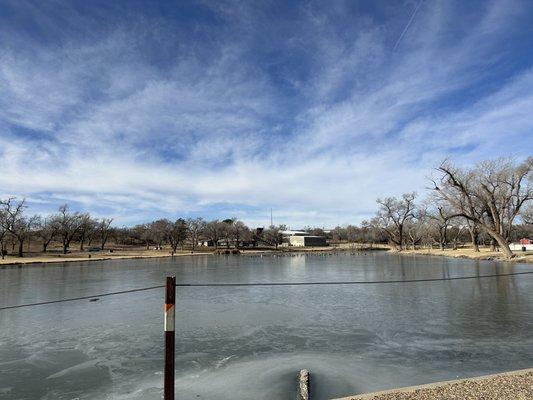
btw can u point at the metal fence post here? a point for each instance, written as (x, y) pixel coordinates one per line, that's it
(170, 338)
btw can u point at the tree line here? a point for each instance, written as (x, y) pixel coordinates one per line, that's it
(17, 228)
(67, 227)
(481, 204)
(487, 199)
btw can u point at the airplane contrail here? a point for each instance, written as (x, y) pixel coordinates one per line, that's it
(408, 25)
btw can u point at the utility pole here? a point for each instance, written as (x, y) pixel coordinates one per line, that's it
(271, 220)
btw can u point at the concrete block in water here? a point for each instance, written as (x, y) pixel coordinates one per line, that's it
(303, 385)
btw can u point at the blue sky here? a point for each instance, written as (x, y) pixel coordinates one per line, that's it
(140, 110)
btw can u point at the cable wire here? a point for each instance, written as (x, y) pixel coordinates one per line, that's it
(81, 297)
(265, 284)
(348, 282)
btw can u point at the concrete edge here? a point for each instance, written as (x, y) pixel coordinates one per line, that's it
(409, 389)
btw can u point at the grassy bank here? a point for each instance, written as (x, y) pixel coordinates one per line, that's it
(468, 252)
(46, 258)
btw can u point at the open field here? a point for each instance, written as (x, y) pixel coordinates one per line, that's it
(515, 385)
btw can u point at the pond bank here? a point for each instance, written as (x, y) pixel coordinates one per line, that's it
(49, 258)
(83, 257)
(466, 252)
(514, 385)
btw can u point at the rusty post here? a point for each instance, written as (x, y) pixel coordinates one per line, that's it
(170, 338)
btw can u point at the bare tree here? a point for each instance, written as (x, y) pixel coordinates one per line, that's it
(352, 233)
(272, 236)
(473, 230)
(176, 233)
(371, 234)
(158, 232)
(392, 216)
(239, 232)
(14, 221)
(457, 229)
(490, 195)
(507, 189)
(416, 228)
(104, 228)
(338, 234)
(48, 230)
(527, 213)
(195, 228)
(214, 231)
(3, 234)
(142, 233)
(69, 226)
(438, 216)
(226, 230)
(88, 227)
(522, 231)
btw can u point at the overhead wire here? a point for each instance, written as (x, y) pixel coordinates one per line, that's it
(244, 284)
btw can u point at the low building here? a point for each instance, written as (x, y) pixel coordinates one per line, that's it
(301, 239)
(305, 241)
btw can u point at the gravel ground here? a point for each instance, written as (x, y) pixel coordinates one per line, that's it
(508, 386)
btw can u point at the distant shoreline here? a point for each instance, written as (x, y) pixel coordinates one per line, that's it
(465, 253)
(51, 258)
(14, 261)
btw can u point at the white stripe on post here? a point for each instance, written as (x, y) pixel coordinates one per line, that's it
(170, 318)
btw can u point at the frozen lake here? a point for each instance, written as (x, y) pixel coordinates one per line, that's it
(250, 342)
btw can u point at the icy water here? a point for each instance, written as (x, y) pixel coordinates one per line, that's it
(250, 342)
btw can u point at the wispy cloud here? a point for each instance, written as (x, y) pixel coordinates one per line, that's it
(232, 109)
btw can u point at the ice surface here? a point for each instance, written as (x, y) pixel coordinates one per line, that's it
(250, 342)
